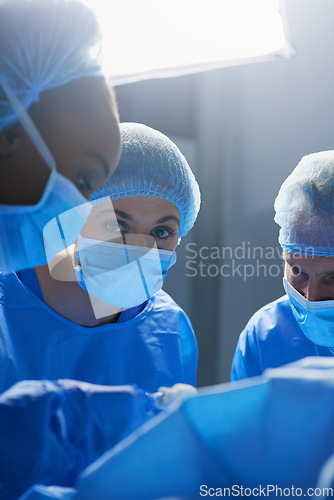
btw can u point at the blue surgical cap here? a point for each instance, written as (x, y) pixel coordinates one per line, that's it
(44, 44)
(151, 165)
(305, 207)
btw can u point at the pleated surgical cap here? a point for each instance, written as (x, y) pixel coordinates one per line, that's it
(151, 165)
(305, 207)
(44, 44)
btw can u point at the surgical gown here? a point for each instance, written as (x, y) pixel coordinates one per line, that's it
(151, 346)
(266, 437)
(272, 338)
(50, 431)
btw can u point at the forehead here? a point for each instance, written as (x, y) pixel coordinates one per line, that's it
(75, 141)
(310, 226)
(147, 205)
(82, 112)
(138, 208)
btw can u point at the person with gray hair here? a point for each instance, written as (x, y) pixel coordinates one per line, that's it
(301, 323)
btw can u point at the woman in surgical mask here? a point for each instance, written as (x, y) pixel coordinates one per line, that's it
(97, 312)
(59, 131)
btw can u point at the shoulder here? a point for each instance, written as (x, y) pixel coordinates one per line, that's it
(162, 304)
(273, 323)
(273, 334)
(265, 340)
(175, 319)
(274, 315)
(162, 301)
(281, 304)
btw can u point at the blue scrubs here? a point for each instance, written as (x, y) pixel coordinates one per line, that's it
(51, 431)
(149, 346)
(255, 438)
(272, 338)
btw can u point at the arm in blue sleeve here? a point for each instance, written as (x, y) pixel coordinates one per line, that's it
(247, 360)
(41, 492)
(239, 370)
(273, 430)
(189, 350)
(51, 431)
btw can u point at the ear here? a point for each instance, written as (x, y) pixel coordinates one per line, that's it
(9, 140)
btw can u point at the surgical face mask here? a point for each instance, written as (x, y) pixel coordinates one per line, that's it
(315, 318)
(21, 226)
(119, 274)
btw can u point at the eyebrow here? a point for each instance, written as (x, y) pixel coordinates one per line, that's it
(103, 162)
(167, 218)
(123, 214)
(126, 216)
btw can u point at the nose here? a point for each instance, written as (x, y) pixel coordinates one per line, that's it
(317, 291)
(139, 239)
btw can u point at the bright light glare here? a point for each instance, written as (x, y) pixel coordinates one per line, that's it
(149, 38)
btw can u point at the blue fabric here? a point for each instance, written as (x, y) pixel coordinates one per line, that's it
(152, 165)
(272, 430)
(131, 312)
(39, 492)
(29, 278)
(50, 431)
(272, 338)
(326, 477)
(44, 44)
(156, 347)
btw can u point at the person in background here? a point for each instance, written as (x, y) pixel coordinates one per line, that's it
(103, 319)
(301, 323)
(59, 131)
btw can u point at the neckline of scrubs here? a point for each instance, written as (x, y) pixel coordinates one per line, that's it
(147, 307)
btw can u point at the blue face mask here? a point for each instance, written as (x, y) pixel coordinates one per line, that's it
(21, 226)
(315, 318)
(121, 275)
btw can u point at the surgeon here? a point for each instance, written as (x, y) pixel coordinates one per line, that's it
(98, 315)
(59, 132)
(301, 323)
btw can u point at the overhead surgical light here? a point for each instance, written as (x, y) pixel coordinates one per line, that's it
(160, 38)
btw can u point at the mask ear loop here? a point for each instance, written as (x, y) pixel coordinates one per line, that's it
(76, 265)
(30, 127)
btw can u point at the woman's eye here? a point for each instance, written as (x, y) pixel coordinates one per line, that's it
(161, 232)
(82, 183)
